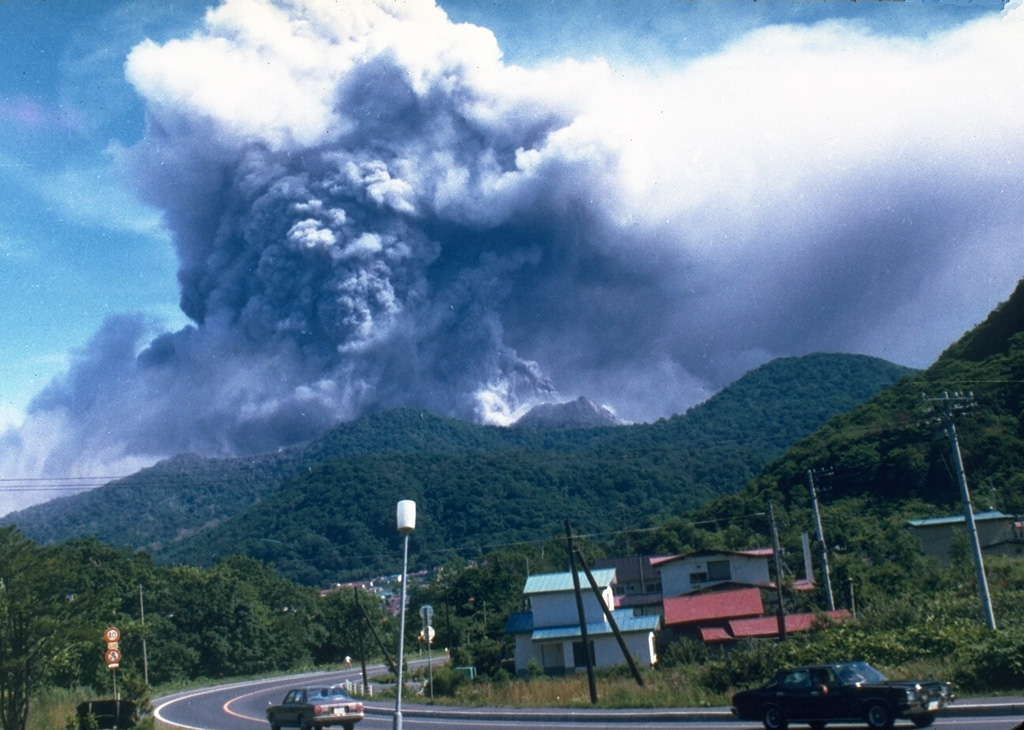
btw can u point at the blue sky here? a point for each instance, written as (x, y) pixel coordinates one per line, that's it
(78, 244)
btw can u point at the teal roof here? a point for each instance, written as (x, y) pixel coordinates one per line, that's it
(627, 623)
(957, 519)
(557, 582)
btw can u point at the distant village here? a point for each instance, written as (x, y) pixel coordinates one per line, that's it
(716, 597)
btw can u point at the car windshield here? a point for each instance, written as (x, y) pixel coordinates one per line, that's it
(859, 673)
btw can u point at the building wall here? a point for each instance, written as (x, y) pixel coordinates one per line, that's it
(556, 657)
(559, 609)
(676, 575)
(936, 539)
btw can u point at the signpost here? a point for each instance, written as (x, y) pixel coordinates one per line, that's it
(427, 613)
(113, 654)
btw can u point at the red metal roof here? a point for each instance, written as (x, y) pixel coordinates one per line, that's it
(748, 628)
(713, 635)
(751, 553)
(716, 605)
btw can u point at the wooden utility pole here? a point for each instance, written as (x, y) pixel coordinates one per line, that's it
(627, 655)
(780, 612)
(583, 617)
(826, 579)
(951, 404)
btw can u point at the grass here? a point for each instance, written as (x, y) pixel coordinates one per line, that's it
(614, 690)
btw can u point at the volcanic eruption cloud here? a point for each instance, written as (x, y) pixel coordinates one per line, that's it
(372, 209)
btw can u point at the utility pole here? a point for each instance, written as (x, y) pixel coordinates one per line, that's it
(951, 404)
(821, 539)
(582, 615)
(780, 612)
(142, 621)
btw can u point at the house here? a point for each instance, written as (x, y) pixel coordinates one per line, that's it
(638, 583)
(998, 534)
(701, 615)
(683, 574)
(549, 633)
(723, 616)
(718, 596)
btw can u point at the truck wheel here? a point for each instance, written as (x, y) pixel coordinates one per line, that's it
(274, 724)
(774, 719)
(878, 716)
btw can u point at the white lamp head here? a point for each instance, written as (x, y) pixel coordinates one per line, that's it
(406, 516)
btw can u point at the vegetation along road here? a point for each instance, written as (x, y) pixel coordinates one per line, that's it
(241, 706)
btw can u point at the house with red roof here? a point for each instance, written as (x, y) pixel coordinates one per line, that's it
(705, 569)
(718, 597)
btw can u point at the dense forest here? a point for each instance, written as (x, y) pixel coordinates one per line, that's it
(324, 512)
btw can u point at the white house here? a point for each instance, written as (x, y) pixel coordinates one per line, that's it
(683, 574)
(550, 632)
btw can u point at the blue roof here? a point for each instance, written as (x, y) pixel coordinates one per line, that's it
(957, 519)
(558, 582)
(627, 622)
(519, 622)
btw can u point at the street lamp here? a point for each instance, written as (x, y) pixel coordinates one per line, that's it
(406, 524)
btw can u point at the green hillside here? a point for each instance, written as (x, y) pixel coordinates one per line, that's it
(882, 463)
(887, 450)
(323, 511)
(496, 486)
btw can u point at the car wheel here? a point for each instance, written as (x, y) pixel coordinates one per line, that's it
(349, 726)
(923, 720)
(274, 724)
(305, 724)
(878, 716)
(774, 719)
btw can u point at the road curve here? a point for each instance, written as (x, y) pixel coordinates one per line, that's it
(242, 706)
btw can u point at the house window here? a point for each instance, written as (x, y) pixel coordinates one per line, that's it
(719, 570)
(552, 657)
(696, 578)
(579, 659)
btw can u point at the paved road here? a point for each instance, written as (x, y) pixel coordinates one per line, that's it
(241, 706)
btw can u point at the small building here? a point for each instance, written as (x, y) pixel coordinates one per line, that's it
(638, 582)
(726, 616)
(549, 633)
(998, 534)
(699, 571)
(705, 615)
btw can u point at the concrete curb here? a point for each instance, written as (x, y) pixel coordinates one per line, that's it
(987, 708)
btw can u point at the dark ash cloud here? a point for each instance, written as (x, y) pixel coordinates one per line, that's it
(371, 209)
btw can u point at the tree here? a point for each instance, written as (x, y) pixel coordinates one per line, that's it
(40, 612)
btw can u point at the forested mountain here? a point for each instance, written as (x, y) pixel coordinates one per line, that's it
(889, 448)
(882, 463)
(325, 511)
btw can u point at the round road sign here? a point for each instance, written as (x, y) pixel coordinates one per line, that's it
(112, 635)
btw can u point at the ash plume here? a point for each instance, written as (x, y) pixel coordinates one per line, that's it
(372, 209)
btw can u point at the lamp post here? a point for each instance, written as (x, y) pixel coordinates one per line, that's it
(406, 524)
